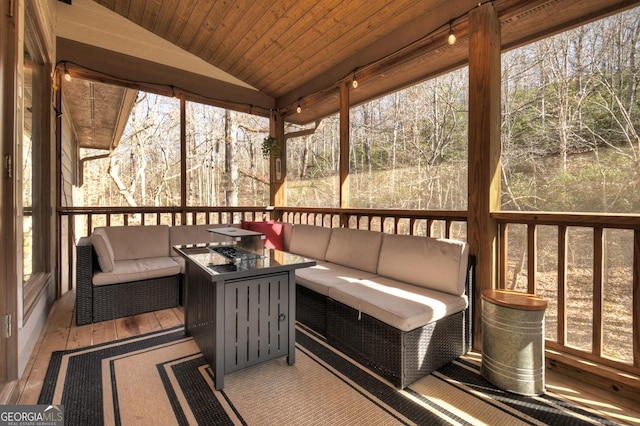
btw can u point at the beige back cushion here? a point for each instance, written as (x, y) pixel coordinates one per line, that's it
(102, 246)
(355, 248)
(191, 234)
(438, 264)
(309, 241)
(287, 228)
(138, 242)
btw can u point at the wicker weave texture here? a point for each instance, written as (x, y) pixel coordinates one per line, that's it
(311, 309)
(135, 297)
(84, 287)
(106, 302)
(400, 357)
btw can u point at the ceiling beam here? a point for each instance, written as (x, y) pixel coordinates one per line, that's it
(116, 68)
(380, 51)
(410, 62)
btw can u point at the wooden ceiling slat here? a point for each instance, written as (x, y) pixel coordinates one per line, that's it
(351, 43)
(167, 12)
(136, 11)
(230, 31)
(260, 39)
(122, 7)
(179, 20)
(286, 32)
(348, 44)
(150, 14)
(242, 40)
(110, 4)
(211, 33)
(191, 27)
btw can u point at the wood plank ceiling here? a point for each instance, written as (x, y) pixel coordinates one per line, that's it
(278, 46)
(298, 51)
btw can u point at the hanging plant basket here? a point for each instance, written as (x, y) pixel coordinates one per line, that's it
(270, 147)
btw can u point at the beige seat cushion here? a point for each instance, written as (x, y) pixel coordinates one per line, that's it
(138, 269)
(355, 248)
(438, 264)
(403, 306)
(181, 262)
(309, 241)
(324, 275)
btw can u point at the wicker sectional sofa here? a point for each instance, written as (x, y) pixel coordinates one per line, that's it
(128, 270)
(399, 304)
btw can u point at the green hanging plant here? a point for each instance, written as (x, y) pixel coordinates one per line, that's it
(270, 147)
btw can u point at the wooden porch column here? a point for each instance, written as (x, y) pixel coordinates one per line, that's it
(344, 145)
(278, 165)
(183, 163)
(484, 150)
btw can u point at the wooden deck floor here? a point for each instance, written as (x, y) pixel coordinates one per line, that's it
(61, 333)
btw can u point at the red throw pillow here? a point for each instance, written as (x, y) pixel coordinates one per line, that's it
(272, 232)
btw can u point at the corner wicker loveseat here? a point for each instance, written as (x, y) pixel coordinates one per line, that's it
(399, 304)
(128, 270)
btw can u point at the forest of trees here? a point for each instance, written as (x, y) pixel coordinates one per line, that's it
(224, 162)
(570, 123)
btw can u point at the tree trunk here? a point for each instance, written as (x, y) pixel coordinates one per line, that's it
(230, 165)
(114, 170)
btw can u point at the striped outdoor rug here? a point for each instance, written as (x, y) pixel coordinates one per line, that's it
(161, 378)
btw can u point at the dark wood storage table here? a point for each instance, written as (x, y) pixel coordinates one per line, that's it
(240, 312)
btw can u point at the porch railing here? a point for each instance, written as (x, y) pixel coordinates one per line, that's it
(586, 265)
(443, 224)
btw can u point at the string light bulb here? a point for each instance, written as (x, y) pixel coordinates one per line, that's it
(354, 83)
(299, 109)
(452, 37)
(67, 76)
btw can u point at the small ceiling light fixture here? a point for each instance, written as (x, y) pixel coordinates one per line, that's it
(299, 109)
(66, 73)
(452, 37)
(354, 83)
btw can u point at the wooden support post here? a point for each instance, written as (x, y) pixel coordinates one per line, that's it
(278, 165)
(344, 145)
(484, 150)
(183, 160)
(636, 298)
(599, 270)
(532, 258)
